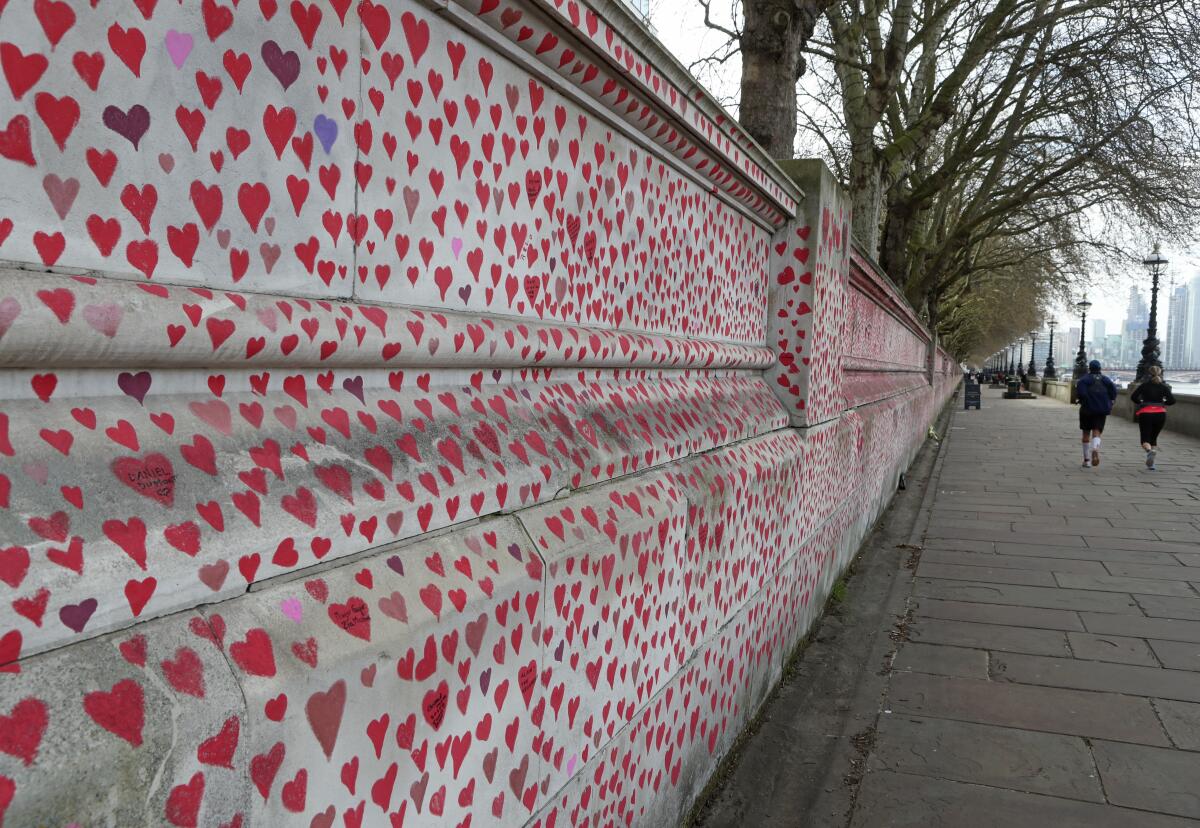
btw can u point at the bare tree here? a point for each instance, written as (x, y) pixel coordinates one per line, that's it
(1060, 132)
(769, 35)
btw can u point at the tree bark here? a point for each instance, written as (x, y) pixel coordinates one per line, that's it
(894, 247)
(773, 34)
(866, 195)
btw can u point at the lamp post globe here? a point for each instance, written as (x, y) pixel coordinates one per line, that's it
(1050, 372)
(1156, 263)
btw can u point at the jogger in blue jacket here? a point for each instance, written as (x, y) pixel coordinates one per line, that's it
(1096, 394)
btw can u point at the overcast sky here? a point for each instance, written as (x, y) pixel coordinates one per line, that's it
(679, 24)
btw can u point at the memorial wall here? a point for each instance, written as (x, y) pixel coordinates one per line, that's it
(411, 414)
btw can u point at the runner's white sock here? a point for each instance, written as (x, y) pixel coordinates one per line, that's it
(1096, 443)
(1087, 453)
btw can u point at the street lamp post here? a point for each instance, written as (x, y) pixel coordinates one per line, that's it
(1021, 362)
(1081, 356)
(1150, 357)
(1032, 347)
(1012, 352)
(1050, 372)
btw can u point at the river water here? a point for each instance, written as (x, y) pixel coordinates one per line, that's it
(1191, 389)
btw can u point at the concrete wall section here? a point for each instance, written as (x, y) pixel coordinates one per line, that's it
(1058, 389)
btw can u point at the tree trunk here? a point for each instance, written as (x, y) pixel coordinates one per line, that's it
(866, 195)
(772, 36)
(894, 248)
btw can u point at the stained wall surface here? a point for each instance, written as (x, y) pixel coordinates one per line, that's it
(411, 415)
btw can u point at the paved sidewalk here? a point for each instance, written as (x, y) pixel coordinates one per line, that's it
(1051, 672)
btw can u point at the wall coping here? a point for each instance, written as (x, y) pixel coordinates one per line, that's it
(634, 65)
(868, 277)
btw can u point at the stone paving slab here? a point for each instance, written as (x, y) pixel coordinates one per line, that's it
(1152, 779)
(1157, 606)
(1047, 709)
(1182, 722)
(1079, 674)
(1177, 655)
(1080, 553)
(1168, 569)
(987, 574)
(898, 800)
(983, 508)
(1026, 596)
(942, 661)
(1168, 629)
(1114, 583)
(1024, 760)
(1119, 649)
(1047, 619)
(1145, 544)
(1028, 538)
(991, 637)
(949, 545)
(991, 560)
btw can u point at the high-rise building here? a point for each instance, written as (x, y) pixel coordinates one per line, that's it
(1133, 330)
(1191, 335)
(1175, 353)
(1112, 347)
(1098, 331)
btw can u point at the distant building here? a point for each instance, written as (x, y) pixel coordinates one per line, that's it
(1112, 347)
(1191, 334)
(1175, 352)
(1098, 327)
(1133, 330)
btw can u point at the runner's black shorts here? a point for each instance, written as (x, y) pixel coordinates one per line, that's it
(1091, 420)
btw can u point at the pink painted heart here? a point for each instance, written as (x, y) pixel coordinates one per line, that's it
(61, 192)
(104, 318)
(179, 46)
(292, 609)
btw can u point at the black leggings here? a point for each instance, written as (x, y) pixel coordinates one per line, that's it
(1151, 425)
